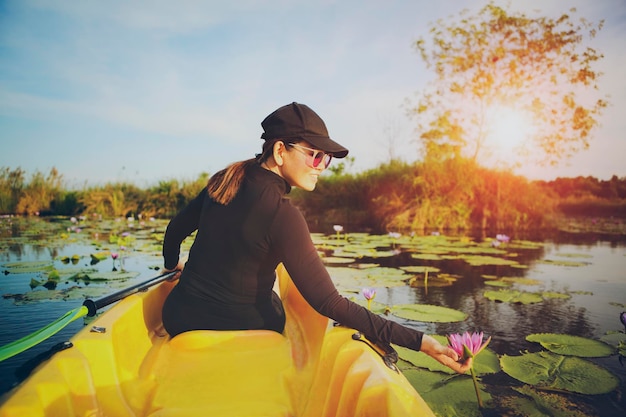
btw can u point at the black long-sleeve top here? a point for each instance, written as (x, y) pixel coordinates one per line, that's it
(237, 248)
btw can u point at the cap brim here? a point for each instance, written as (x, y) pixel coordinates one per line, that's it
(328, 145)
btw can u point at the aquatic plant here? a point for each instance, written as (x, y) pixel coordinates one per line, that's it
(338, 228)
(468, 346)
(552, 371)
(570, 345)
(114, 256)
(369, 294)
(502, 238)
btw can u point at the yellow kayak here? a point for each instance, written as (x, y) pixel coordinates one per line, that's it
(133, 368)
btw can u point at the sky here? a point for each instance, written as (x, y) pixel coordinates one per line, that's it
(145, 91)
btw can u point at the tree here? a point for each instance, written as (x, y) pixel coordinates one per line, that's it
(499, 67)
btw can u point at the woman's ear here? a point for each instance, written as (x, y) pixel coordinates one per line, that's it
(278, 152)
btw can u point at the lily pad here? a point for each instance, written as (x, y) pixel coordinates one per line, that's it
(100, 256)
(439, 280)
(614, 338)
(546, 370)
(428, 313)
(449, 396)
(497, 283)
(574, 255)
(338, 260)
(110, 276)
(73, 259)
(26, 267)
(355, 279)
(385, 277)
(566, 344)
(426, 256)
(536, 403)
(563, 263)
(53, 275)
(521, 281)
(552, 294)
(513, 296)
(34, 283)
(419, 269)
(478, 260)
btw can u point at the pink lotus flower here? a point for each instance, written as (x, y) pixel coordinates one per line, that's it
(369, 294)
(114, 256)
(502, 238)
(468, 346)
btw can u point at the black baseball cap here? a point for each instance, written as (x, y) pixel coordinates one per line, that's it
(298, 121)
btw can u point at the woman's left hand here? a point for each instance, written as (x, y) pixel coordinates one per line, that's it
(179, 268)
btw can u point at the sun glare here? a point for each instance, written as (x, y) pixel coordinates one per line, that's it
(509, 131)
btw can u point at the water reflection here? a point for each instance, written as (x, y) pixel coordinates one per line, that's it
(596, 288)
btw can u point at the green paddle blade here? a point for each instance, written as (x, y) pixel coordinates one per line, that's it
(42, 334)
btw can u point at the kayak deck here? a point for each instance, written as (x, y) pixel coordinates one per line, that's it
(135, 369)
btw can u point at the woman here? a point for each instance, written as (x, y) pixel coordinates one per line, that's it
(246, 227)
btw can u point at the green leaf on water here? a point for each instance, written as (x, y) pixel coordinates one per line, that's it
(110, 276)
(614, 338)
(521, 281)
(35, 283)
(54, 275)
(27, 267)
(479, 260)
(338, 260)
(513, 296)
(416, 269)
(566, 344)
(427, 313)
(100, 256)
(574, 255)
(546, 370)
(438, 280)
(552, 294)
(426, 256)
(536, 403)
(73, 259)
(449, 396)
(497, 283)
(562, 263)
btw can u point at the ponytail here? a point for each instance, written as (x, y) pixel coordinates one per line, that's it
(224, 185)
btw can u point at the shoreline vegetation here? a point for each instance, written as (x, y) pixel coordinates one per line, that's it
(453, 195)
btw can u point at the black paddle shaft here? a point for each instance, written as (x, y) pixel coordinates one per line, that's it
(94, 306)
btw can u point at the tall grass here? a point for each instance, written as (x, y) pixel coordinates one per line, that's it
(47, 195)
(452, 194)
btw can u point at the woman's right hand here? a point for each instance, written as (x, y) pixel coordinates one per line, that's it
(444, 355)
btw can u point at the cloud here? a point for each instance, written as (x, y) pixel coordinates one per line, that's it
(204, 72)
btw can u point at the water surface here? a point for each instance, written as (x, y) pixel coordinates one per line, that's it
(595, 286)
